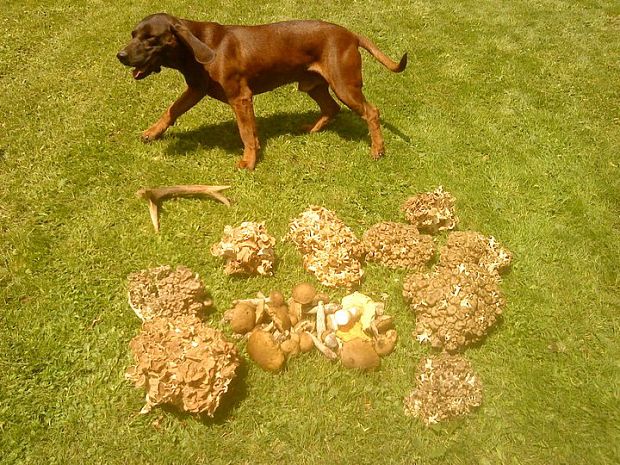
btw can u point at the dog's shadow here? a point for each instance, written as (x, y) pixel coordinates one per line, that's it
(225, 135)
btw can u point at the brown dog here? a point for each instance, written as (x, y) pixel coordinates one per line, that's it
(233, 63)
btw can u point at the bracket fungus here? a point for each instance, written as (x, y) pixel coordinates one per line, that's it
(164, 292)
(476, 248)
(247, 249)
(431, 211)
(446, 387)
(182, 362)
(330, 249)
(454, 307)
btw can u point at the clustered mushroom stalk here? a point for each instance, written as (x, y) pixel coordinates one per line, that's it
(248, 249)
(178, 359)
(330, 249)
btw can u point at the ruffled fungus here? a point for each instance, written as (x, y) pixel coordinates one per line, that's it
(182, 362)
(397, 245)
(454, 307)
(431, 211)
(330, 249)
(247, 249)
(446, 387)
(166, 293)
(473, 247)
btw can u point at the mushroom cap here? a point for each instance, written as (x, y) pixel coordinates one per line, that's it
(276, 298)
(304, 293)
(384, 344)
(242, 318)
(305, 342)
(263, 349)
(359, 354)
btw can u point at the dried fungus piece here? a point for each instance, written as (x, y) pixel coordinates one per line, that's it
(446, 387)
(473, 247)
(431, 211)
(330, 249)
(248, 249)
(164, 292)
(398, 245)
(183, 362)
(454, 307)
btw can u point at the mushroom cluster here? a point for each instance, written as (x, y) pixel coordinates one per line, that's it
(330, 249)
(178, 358)
(431, 211)
(454, 306)
(397, 245)
(446, 387)
(164, 292)
(248, 249)
(356, 331)
(182, 362)
(476, 248)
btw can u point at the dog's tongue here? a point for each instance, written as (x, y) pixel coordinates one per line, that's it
(137, 73)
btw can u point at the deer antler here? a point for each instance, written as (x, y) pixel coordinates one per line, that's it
(155, 195)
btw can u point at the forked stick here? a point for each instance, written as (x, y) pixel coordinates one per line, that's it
(154, 196)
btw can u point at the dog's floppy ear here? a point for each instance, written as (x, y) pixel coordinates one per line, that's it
(201, 51)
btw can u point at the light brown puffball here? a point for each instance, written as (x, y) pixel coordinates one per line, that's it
(359, 354)
(264, 350)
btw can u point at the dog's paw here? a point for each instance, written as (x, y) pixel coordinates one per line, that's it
(244, 165)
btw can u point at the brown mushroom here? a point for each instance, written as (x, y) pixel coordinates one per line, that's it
(262, 348)
(304, 293)
(242, 318)
(305, 342)
(276, 298)
(384, 343)
(290, 346)
(359, 354)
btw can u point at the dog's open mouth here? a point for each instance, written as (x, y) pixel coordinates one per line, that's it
(141, 73)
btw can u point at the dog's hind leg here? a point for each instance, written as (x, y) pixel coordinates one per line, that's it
(329, 108)
(346, 81)
(187, 100)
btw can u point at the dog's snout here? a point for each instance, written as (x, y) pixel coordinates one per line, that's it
(123, 57)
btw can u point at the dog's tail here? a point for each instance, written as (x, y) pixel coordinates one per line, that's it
(382, 57)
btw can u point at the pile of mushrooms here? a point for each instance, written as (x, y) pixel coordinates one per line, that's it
(397, 245)
(454, 306)
(355, 331)
(247, 249)
(179, 359)
(431, 211)
(330, 249)
(446, 387)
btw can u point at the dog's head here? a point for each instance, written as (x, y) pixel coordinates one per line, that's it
(156, 42)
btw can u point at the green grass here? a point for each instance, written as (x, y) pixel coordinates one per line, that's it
(511, 106)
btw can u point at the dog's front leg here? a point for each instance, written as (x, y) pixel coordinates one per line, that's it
(187, 100)
(246, 121)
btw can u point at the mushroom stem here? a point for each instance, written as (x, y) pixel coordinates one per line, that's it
(155, 195)
(330, 354)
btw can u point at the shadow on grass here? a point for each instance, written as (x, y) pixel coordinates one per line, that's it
(225, 135)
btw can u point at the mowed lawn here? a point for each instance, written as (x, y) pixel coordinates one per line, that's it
(513, 107)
